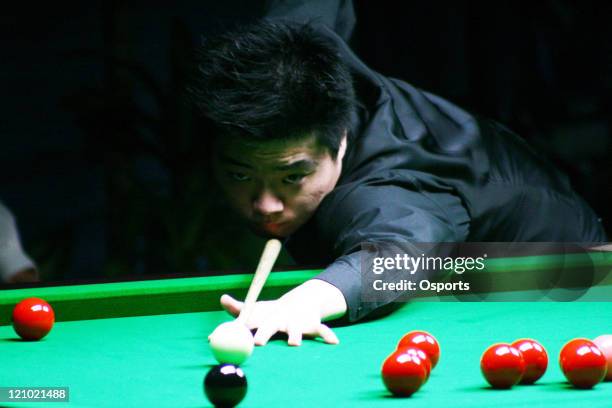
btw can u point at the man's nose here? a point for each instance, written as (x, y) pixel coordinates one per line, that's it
(267, 203)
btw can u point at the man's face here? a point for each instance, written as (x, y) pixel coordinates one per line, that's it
(276, 186)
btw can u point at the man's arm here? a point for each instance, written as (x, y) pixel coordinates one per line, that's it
(389, 209)
(15, 265)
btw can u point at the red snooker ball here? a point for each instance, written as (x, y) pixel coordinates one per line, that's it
(33, 318)
(502, 365)
(404, 373)
(425, 342)
(420, 354)
(583, 363)
(536, 359)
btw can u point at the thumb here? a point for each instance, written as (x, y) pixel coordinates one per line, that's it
(231, 305)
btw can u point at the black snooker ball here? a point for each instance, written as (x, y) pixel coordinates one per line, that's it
(225, 385)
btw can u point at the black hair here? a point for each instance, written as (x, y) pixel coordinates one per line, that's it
(272, 81)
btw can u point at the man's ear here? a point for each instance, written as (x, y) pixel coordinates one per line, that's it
(342, 147)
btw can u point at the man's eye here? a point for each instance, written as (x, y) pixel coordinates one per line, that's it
(294, 178)
(238, 176)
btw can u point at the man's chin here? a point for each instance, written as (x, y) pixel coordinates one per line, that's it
(265, 234)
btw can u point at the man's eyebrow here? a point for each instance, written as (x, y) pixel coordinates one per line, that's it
(305, 164)
(235, 162)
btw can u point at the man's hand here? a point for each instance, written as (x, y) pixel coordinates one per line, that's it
(24, 276)
(297, 313)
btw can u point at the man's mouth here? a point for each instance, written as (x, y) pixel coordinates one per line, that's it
(270, 228)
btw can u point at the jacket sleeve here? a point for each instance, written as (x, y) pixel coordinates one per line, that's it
(391, 214)
(12, 256)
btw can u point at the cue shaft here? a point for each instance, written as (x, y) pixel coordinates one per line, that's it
(266, 262)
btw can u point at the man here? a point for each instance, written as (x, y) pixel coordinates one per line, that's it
(313, 146)
(15, 265)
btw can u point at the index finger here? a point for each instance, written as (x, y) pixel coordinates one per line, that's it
(327, 335)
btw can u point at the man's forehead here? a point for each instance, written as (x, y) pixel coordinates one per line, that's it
(277, 154)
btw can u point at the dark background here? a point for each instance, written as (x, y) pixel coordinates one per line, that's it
(104, 164)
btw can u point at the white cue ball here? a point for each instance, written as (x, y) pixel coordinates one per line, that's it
(232, 342)
(604, 342)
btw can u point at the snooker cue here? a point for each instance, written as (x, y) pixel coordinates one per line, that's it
(266, 262)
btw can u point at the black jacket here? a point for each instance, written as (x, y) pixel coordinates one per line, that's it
(420, 169)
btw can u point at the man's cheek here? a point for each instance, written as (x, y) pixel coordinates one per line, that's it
(234, 193)
(308, 202)
(316, 194)
(237, 200)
